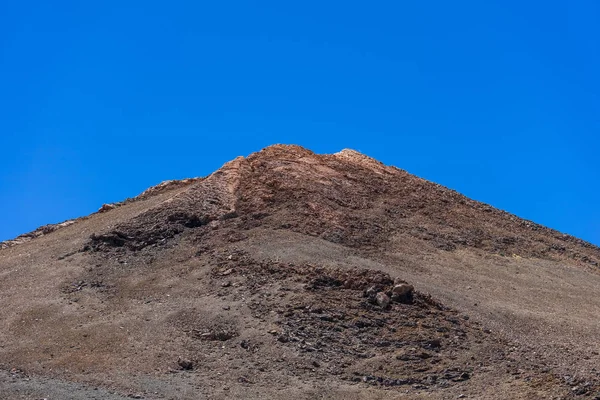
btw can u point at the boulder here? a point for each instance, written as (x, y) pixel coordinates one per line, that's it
(383, 300)
(402, 289)
(403, 293)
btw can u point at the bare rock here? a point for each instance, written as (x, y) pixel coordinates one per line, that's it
(106, 207)
(371, 291)
(402, 289)
(383, 300)
(403, 293)
(398, 281)
(186, 365)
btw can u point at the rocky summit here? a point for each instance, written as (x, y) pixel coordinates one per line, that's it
(289, 274)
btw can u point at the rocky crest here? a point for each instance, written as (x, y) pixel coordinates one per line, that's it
(351, 199)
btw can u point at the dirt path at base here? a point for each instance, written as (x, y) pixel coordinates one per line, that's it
(15, 386)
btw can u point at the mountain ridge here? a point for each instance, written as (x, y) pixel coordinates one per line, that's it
(299, 152)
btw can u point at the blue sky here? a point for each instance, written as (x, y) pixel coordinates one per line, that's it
(496, 99)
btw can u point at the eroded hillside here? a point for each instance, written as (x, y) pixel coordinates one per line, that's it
(277, 275)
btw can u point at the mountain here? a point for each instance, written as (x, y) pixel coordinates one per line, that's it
(288, 273)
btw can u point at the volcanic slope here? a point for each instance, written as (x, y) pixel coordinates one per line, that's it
(270, 278)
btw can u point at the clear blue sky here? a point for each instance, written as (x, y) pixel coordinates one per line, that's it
(496, 99)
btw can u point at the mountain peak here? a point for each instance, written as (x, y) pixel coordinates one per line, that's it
(330, 271)
(361, 159)
(284, 151)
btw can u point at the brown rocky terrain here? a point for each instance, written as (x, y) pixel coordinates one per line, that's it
(288, 273)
